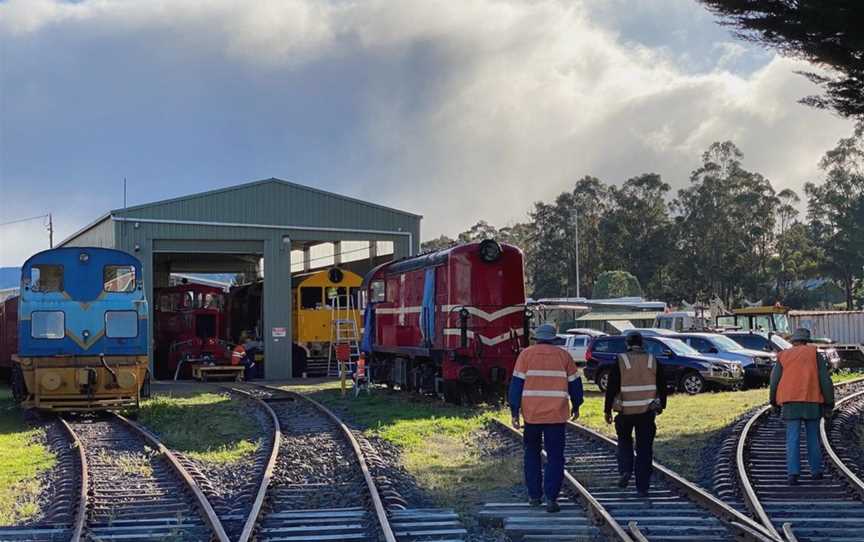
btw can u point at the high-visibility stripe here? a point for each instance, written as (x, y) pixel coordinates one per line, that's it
(572, 377)
(545, 393)
(626, 361)
(639, 402)
(538, 372)
(650, 361)
(519, 374)
(650, 387)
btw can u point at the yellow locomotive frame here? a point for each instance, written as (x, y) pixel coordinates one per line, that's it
(313, 313)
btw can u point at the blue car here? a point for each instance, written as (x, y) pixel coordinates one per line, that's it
(685, 368)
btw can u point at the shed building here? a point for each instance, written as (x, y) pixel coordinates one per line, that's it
(231, 230)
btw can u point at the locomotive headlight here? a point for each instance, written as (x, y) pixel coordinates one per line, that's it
(85, 334)
(490, 250)
(83, 257)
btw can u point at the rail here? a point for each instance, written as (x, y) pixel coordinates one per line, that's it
(267, 475)
(597, 510)
(81, 511)
(750, 497)
(713, 504)
(854, 481)
(380, 511)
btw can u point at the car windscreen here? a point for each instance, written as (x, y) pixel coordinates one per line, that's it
(724, 343)
(678, 347)
(781, 342)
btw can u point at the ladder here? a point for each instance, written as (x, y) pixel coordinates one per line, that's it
(344, 332)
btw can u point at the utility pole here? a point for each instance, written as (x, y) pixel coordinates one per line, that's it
(576, 227)
(50, 231)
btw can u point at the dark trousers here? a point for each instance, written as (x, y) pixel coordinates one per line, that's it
(645, 431)
(536, 437)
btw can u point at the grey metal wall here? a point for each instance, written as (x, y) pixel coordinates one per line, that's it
(99, 235)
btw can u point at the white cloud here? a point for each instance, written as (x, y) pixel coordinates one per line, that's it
(459, 110)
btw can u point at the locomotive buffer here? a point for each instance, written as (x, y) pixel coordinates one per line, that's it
(344, 337)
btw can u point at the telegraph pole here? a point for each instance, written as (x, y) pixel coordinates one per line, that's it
(50, 231)
(576, 227)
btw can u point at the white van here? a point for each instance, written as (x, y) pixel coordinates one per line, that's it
(681, 321)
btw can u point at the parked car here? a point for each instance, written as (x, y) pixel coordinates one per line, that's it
(685, 368)
(586, 331)
(576, 346)
(651, 332)
(772, 342)
(757, 364)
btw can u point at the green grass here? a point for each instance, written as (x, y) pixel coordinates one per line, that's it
(435, 440)
(845, 375)
(22, 459)
(208, 427)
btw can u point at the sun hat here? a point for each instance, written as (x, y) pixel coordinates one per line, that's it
(545, 332)
(802, 334)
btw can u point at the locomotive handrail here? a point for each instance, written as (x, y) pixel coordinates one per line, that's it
(597, 510)
(726, 512)
(81, 510)
(856, 482)
(267, 475)
(380, 511)
(209, 515)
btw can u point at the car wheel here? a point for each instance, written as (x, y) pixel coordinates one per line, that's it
(692, 383)
(603, 380)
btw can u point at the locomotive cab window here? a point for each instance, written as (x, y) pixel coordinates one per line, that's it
(311, 297)
(118, 278)
(47, 324)
(377, 292)
(337, 295)
(121, 324)
(46, 278)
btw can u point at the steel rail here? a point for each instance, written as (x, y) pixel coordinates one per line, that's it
(850, 476)
(713, 504)
(205, 508)
(750, 497)
(751, 500)
(597, 510)
(380, 511)
(267, 475)
(81, 511)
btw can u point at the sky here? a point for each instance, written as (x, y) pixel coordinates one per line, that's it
(457, 110)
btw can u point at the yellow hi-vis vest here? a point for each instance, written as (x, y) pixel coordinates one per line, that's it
(638, 382)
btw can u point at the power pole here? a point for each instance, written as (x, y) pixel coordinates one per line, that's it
(50, 231)
(576, 227)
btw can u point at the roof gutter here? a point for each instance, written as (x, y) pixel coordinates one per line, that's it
(267, 226)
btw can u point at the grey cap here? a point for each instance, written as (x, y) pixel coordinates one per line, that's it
(545, 332)
(802, 334)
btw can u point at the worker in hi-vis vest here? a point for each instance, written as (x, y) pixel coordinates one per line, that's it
(801, 385)
(637, 391)
(544, 379)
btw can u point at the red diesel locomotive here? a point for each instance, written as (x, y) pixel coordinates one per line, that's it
(450, 322)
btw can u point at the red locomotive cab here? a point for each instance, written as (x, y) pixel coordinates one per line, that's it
(189, 326)
(450, 322)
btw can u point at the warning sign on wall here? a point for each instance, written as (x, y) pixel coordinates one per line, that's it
(280, 332)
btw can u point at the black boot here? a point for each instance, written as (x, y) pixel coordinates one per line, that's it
(624, 480)
(793, 479)
(553, 507)
(534, 503)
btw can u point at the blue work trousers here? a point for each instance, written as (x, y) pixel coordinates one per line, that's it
(793, 446)
(539, 481)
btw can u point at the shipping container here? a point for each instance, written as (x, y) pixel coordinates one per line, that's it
(843, 327)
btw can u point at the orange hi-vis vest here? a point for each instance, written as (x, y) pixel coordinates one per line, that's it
(800, 380)
(360, 372)
(547, 371)
(638, 382)
(238, 354)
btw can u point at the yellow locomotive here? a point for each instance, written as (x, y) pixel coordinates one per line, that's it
(320, 299)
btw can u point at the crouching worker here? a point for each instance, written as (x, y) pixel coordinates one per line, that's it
(544, 378)
(801, 385)
(637, 391)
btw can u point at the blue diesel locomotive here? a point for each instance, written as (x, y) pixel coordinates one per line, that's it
(82, 331)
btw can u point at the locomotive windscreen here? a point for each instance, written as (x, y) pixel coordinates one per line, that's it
(205, 326)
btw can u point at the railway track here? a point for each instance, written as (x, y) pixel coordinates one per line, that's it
(816, 510)
(674, 510)
(134, 488)
(320, 483)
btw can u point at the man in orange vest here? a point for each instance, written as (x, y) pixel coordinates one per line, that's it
(544, 378)
(636, 389)
(801, 386)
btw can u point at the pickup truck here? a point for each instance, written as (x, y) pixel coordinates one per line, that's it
(575, 345)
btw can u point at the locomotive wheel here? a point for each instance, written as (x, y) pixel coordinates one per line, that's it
(19, 387)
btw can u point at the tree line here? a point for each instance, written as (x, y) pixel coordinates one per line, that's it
(728, 234)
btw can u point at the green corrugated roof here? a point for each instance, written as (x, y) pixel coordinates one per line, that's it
(598, 316)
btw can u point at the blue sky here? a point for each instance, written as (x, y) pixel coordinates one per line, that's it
(459, 111)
